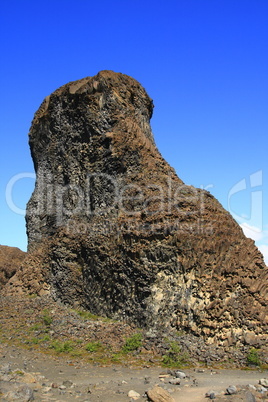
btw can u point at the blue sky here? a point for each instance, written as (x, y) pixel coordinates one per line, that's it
(204, 63)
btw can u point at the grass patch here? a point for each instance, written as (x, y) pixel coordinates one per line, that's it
(35, 327)
(46, 338)
(174, 356)
(46, 317)
(19, 372)
(253, 358)
(133, 343)
(62, 347)
(93, 346)
(87, 315)
(34, 340)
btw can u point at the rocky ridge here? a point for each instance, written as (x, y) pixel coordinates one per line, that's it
(113, 229)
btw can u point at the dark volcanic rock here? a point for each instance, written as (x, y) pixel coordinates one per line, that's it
(10, 260)
(112, 228)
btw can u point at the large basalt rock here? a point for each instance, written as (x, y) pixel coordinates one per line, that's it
(112, 228)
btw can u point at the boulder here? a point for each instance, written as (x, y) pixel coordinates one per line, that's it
(159, 394)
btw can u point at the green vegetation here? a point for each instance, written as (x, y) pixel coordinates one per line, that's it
(93, 346)
(117, 357)
(34, 340)
(35, 327)
(133, 343)
(62, 347)
(253, 358)
(18, 372)
(174, 356)
(86, 315)
(46, 338)
(46, 317)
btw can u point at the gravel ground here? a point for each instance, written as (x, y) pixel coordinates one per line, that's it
(51, 352)
(57, 379)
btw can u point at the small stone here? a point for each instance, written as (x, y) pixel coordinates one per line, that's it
(62, 387)
(211, 394)
(231, 390)
(180, 374)
(45, 390)
(147, 380)
(67, 383)
(264, 382)
(54, 385)
(134, 395)
(171, 372)
(175, 381)
(262, 389)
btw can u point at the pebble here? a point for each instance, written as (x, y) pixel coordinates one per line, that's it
(67, 383)
(261, 389)
(250, 386)
(133, 394)
(264, 382)
(147, 380)
(180, 374)
(211, 394)
(175, 381)
(231, 390)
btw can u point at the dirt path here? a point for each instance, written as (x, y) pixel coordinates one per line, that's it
(73, 380)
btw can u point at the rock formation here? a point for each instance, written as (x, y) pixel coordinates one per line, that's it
(112, 228)
(10, 260)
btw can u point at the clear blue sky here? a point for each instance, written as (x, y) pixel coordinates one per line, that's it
(204, 63)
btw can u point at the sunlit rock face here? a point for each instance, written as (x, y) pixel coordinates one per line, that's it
(112, 228)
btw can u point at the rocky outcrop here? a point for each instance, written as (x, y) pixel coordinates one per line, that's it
(112, 228)
(10, 260)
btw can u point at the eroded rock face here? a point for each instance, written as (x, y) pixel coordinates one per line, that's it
(112, 228)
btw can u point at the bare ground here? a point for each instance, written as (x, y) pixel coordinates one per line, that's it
(44, 348)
